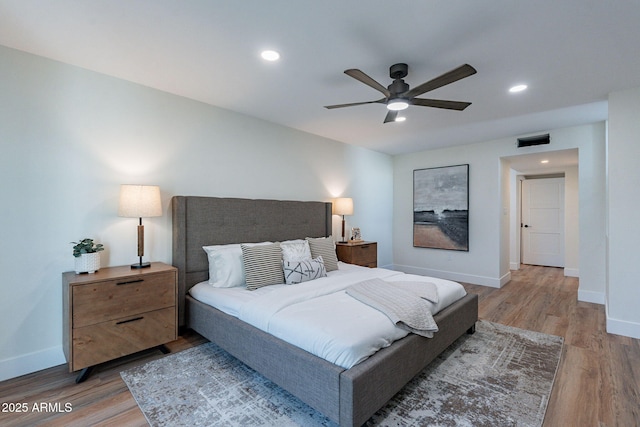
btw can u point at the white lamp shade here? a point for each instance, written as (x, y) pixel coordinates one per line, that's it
(343, 206)
(139, 201)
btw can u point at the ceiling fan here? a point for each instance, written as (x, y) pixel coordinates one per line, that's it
(398, 96)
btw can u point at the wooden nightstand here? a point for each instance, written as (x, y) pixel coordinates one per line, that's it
(117, 311)
(363, 253)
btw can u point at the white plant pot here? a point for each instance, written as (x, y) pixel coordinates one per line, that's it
(88, 263)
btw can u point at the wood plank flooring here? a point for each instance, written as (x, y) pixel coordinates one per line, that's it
(598, 381)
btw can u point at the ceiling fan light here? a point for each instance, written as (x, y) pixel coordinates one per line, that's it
(397, 104)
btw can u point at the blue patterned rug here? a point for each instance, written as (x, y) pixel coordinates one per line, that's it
(499, 376)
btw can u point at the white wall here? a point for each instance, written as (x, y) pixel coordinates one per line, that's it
(572, 222)
(69, 137)
(623, 152)
(592, 214)
(481, 264)
(487, 262)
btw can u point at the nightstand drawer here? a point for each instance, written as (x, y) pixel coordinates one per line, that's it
(114, 299)
(364, 254)
(105, 341)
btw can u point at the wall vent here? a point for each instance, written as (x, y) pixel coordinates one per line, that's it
(533, 140)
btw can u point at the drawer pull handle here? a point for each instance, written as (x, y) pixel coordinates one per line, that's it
(130, 320)
(130, 282)
(364, 247)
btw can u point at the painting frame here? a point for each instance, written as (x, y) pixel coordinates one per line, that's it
(441, 208)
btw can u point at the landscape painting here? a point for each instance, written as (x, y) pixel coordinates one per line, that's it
(441, 208)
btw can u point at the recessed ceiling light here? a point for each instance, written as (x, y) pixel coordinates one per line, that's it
(544, 161)
(400, 119)
(517, 88)
(270, 55)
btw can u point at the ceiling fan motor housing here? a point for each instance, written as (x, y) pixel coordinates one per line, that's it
(398, 71)
(398, 87)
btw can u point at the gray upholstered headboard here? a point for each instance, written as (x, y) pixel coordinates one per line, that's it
(203, 221)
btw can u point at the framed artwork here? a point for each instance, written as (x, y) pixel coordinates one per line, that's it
(441, 208)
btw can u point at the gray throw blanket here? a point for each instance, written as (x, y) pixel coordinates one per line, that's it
(398, 301)
(425, 290)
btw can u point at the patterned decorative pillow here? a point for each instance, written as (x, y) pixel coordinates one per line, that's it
(303, 271)
(295, 250)
(326, 248)
(262, 265)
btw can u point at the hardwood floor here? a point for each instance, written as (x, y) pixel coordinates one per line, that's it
(598, 380)
(597, 384)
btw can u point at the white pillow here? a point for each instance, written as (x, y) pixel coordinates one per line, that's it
(226, 268)
(295, 250)
(303, 271)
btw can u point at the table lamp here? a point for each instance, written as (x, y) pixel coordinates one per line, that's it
(343, 206)
(140, 201)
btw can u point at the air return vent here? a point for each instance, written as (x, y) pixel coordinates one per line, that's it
(533, 140)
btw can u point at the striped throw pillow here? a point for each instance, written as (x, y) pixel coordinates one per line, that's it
(262, 265)
(326, 248)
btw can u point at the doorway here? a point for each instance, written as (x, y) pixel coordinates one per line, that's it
(547, 164)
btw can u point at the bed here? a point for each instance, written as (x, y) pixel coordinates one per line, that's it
(347, 396)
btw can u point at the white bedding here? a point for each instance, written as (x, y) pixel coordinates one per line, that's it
(318, 316)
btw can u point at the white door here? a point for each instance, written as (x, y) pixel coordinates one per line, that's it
(542, 224)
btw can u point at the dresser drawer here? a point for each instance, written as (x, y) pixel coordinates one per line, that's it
(114, 299)
(105, 341)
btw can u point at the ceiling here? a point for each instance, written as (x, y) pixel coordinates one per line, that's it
(571, 54)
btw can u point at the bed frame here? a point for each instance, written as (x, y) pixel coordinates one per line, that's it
(347, 396)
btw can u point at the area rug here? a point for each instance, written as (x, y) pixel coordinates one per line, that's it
(499, 376)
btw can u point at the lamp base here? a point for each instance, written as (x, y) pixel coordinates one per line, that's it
(141, 265)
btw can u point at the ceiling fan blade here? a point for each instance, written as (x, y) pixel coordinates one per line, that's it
(461, 72)
(330, 107)
(438, 103)
(391, 116)
(363, 78)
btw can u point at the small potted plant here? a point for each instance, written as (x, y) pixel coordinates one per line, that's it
(86, 256)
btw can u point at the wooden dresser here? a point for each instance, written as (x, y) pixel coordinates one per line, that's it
(117, 311)
(363, 253)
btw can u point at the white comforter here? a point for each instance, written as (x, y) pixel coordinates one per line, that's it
(318, 316)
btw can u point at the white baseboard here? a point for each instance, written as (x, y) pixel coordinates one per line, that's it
(388, 267)
(624, 328)
(571, 272)
(494, 282)
(506, 278)
(591, 296)
(31, 362)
